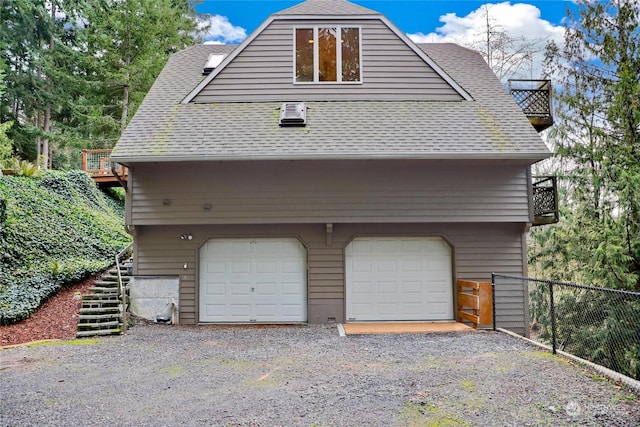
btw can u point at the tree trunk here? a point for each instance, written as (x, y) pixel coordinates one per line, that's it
(46, 160)
(38, 141)
(125, 106)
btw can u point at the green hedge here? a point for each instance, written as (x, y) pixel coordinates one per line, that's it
(54, 230)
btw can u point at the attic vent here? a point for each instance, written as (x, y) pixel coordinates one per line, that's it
(293, 114)
(212, 62)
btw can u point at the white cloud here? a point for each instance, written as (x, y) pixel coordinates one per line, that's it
(520, 22)
(220, 30)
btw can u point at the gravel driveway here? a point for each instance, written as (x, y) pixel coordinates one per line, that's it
(159, 375)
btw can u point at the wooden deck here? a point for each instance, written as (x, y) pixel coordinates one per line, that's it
(97, 163)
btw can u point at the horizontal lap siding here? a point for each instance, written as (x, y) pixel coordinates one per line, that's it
(314, 192)
(160, 251)
(499, 250)
(478, 250)
(263, 71)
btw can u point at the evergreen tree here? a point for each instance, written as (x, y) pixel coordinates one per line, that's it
(78, 69)
(6, 146)
(128, 42)
(597, 140)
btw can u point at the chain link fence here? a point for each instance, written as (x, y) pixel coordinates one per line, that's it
(596, 324)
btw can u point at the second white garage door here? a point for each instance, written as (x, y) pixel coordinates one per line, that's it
(253, 280)
(398, 279)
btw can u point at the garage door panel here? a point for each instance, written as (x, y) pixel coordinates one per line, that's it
(413, 265)
(216, 267)
(238, 267)
(412, 287)
(239, 289)
(360, 309)
(359, 265)
(294, 288)
(215, 310)
(387, 266)
(252, 280)
(239, 310)
(266, 310)
(290, 310)
(386, 287)
(292, 267)
(398, 279)
(361, 287)
(413, 308)
(215, 289)
(266, 267)
(266, 288)
(387, 308)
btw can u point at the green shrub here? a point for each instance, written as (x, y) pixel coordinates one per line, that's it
(25, 168)
(56, 230)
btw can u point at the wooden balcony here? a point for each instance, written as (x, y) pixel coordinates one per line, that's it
(534, 98)
(545, 200)
(97, 163)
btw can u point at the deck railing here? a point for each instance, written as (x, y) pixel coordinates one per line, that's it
(98, 163)
(534, 98)
(545, 200)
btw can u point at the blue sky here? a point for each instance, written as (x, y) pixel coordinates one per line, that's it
(411, 16)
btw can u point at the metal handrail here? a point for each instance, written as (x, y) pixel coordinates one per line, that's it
(122, 294)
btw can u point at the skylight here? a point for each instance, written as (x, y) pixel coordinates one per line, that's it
(213, 61)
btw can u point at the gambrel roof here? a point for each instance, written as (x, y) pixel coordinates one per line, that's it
(477, 120)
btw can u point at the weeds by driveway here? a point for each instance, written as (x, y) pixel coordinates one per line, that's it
(160, 375)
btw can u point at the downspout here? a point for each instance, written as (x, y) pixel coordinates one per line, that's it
(118, 178)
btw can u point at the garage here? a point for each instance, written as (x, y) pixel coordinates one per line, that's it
(398, 279)
(260, 280)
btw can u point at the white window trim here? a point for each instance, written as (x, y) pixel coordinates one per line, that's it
(316, 55)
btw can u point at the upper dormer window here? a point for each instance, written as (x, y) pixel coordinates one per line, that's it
(327, 54)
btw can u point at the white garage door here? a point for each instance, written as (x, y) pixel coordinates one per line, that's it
(398, 279)
(253, 280)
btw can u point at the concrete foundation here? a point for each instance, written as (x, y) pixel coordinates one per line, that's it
(153, 296)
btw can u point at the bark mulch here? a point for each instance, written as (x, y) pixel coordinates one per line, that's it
(57, 318)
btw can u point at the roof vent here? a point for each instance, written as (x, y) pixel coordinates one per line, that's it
(212, 62)
(293, 114)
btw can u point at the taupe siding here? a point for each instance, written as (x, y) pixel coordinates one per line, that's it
(264, 71)
(335, 192)
(478, 250)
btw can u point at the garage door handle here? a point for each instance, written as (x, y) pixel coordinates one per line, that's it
(253, 289)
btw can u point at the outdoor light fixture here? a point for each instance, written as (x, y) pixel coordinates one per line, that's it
(186, 236)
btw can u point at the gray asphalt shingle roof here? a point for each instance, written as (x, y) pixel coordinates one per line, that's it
(489, 127)
(327, 7)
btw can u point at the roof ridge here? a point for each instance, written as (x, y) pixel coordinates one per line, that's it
(327, 7)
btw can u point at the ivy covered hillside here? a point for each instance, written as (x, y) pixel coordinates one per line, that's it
(55, 229)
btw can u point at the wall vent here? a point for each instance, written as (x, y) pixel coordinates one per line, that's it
(212, 62)
(293, 114)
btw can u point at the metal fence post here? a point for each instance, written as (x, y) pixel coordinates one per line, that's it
(552, 310)
(493, 299)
